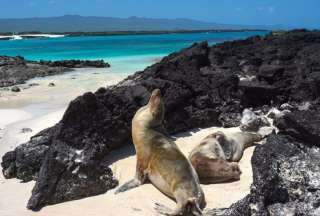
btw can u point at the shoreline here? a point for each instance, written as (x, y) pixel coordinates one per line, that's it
(41, 68)
(17, 70)
(44, 105)
(124, 33)
(67, 86)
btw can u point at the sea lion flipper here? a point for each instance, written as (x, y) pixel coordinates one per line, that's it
(211, 171)
(163, 210)
(216, 212)
(190, 207)
(129, 185)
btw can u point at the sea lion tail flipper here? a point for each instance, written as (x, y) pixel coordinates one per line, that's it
(189, 208)
(127, 186)
(216, 212)
(192, 208)
(216, 170)
(163, 210)
(266, 131)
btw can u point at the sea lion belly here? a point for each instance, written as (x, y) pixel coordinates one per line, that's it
(159, 182)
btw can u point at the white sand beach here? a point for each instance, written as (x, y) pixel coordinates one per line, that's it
(41, 106)
(139, 201)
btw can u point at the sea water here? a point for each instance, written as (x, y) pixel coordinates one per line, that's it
(42, 106)
(126, 54)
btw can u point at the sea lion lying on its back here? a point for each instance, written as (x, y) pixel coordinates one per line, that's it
(160, 161)
(215, 157)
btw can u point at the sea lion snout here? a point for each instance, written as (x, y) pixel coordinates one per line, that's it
(156, 93)
(156, 104)
(155, 97)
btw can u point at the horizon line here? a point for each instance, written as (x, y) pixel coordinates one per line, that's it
(156, 18)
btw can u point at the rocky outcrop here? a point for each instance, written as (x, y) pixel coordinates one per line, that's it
(202, 86)
(25, 161)
(17, 70)
(76, 63)
(15, 89)
(286, 170)
(302, 125)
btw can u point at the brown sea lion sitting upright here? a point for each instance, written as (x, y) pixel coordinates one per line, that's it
(160, 161)
(215, 157)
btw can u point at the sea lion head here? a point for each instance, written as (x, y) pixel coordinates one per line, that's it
(219, 135)
(156, 104)
(152, 114)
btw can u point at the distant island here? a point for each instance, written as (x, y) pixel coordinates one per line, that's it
(30, 35)
(90, 25)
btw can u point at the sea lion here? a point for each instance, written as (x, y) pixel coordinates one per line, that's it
(161, 162)
(214, 159)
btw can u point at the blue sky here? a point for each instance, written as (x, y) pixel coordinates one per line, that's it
(295, 13)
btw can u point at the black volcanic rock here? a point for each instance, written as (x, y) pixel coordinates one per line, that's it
(202, 86)
(76, 63)
(68, 174)
(286, 170)
(25, 161)
(303, 125)
(15, 89)
(17, 70)
(7, 60)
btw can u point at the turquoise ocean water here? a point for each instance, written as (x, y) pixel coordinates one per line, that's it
(126, 54)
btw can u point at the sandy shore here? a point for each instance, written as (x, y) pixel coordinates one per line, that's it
(41, 106)
(67, 87)
(36, 108)
(139, 201)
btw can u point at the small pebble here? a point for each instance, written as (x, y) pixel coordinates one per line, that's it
(15, 89)
(26, 130)
(136, 209)
(33, 84)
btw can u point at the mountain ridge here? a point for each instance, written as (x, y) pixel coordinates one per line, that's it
(77, 23)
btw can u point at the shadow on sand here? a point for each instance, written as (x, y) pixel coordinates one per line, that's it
(118, 154)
